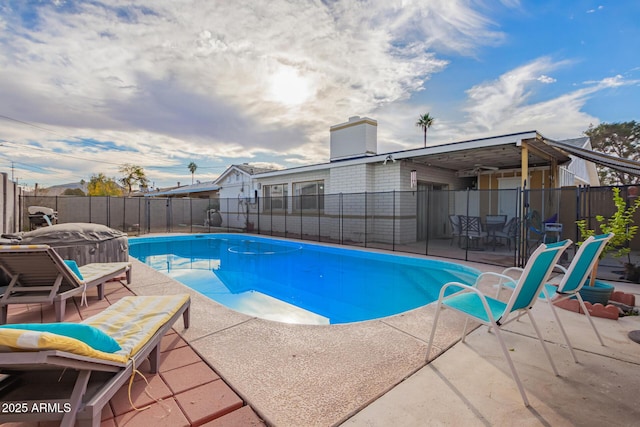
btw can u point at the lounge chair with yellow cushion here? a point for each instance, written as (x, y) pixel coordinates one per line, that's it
(73, 369)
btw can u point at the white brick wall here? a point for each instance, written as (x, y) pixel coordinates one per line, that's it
(379, 181)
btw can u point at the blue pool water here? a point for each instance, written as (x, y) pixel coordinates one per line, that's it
(298, 282)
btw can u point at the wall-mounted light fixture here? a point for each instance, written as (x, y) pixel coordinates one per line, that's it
(389, 158)
(414, 178)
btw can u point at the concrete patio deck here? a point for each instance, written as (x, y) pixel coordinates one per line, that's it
(375, 374)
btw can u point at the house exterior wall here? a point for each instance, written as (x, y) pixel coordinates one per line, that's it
(387, 177)
(350, 179)
(432, 175)
(291, 178)
(380, 192)
(297, 222)
(580, 172)
(390, 205)
(235, 186)
(237, 196)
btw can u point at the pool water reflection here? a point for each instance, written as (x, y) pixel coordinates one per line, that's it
(298, 282)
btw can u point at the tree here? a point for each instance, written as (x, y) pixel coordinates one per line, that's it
(192, 168)
(620, 140)
(620, 224)
(100, 185)
(133, 174)
(424, 122)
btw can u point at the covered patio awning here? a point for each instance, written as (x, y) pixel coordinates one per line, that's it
(495, 153)
(618, 163)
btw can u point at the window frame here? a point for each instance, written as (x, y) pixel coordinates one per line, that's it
(302, 202)
(269, 199)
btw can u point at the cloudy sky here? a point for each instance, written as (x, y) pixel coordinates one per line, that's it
(86, 86)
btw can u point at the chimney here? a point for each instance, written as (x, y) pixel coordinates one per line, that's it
(356, 138)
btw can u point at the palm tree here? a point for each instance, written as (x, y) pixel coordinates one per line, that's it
(424, 121)
(192, 167)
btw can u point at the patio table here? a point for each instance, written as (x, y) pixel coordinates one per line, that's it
(493, 224)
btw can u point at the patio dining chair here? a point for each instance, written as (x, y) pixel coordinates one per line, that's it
(474, 304)
(454, 221)
(471, 230)
(573, 279)
(509, 232)
(493, 224)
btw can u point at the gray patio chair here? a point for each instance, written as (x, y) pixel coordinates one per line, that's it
(454, 221)
(493, 224)
(509, 232)
(471, 230)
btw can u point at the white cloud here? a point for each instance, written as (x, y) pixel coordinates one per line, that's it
(503, 105)
(490, 103)
(614, 81)
(169, 80)
(546, 79)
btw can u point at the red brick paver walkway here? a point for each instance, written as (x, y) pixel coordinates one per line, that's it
(185, 392)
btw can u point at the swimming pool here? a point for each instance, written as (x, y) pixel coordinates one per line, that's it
(298, 282)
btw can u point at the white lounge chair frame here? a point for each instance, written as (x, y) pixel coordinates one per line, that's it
(86, 400)
(39, 275)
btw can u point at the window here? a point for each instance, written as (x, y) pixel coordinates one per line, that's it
(275, 197)
(309, 195)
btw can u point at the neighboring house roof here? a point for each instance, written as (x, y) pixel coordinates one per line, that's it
(200, 187)
(245, 168)
(252, 170)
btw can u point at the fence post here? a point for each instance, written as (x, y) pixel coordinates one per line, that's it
(319, 217)
(524, 229)
(365, 218)
(228, 214)
(139, 215)
(340, 220)
(168, 225)
(393, 222)
(466, 230)
(428, 194)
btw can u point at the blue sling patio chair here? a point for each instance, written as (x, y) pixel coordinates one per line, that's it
(573, 279)
(475, 305)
